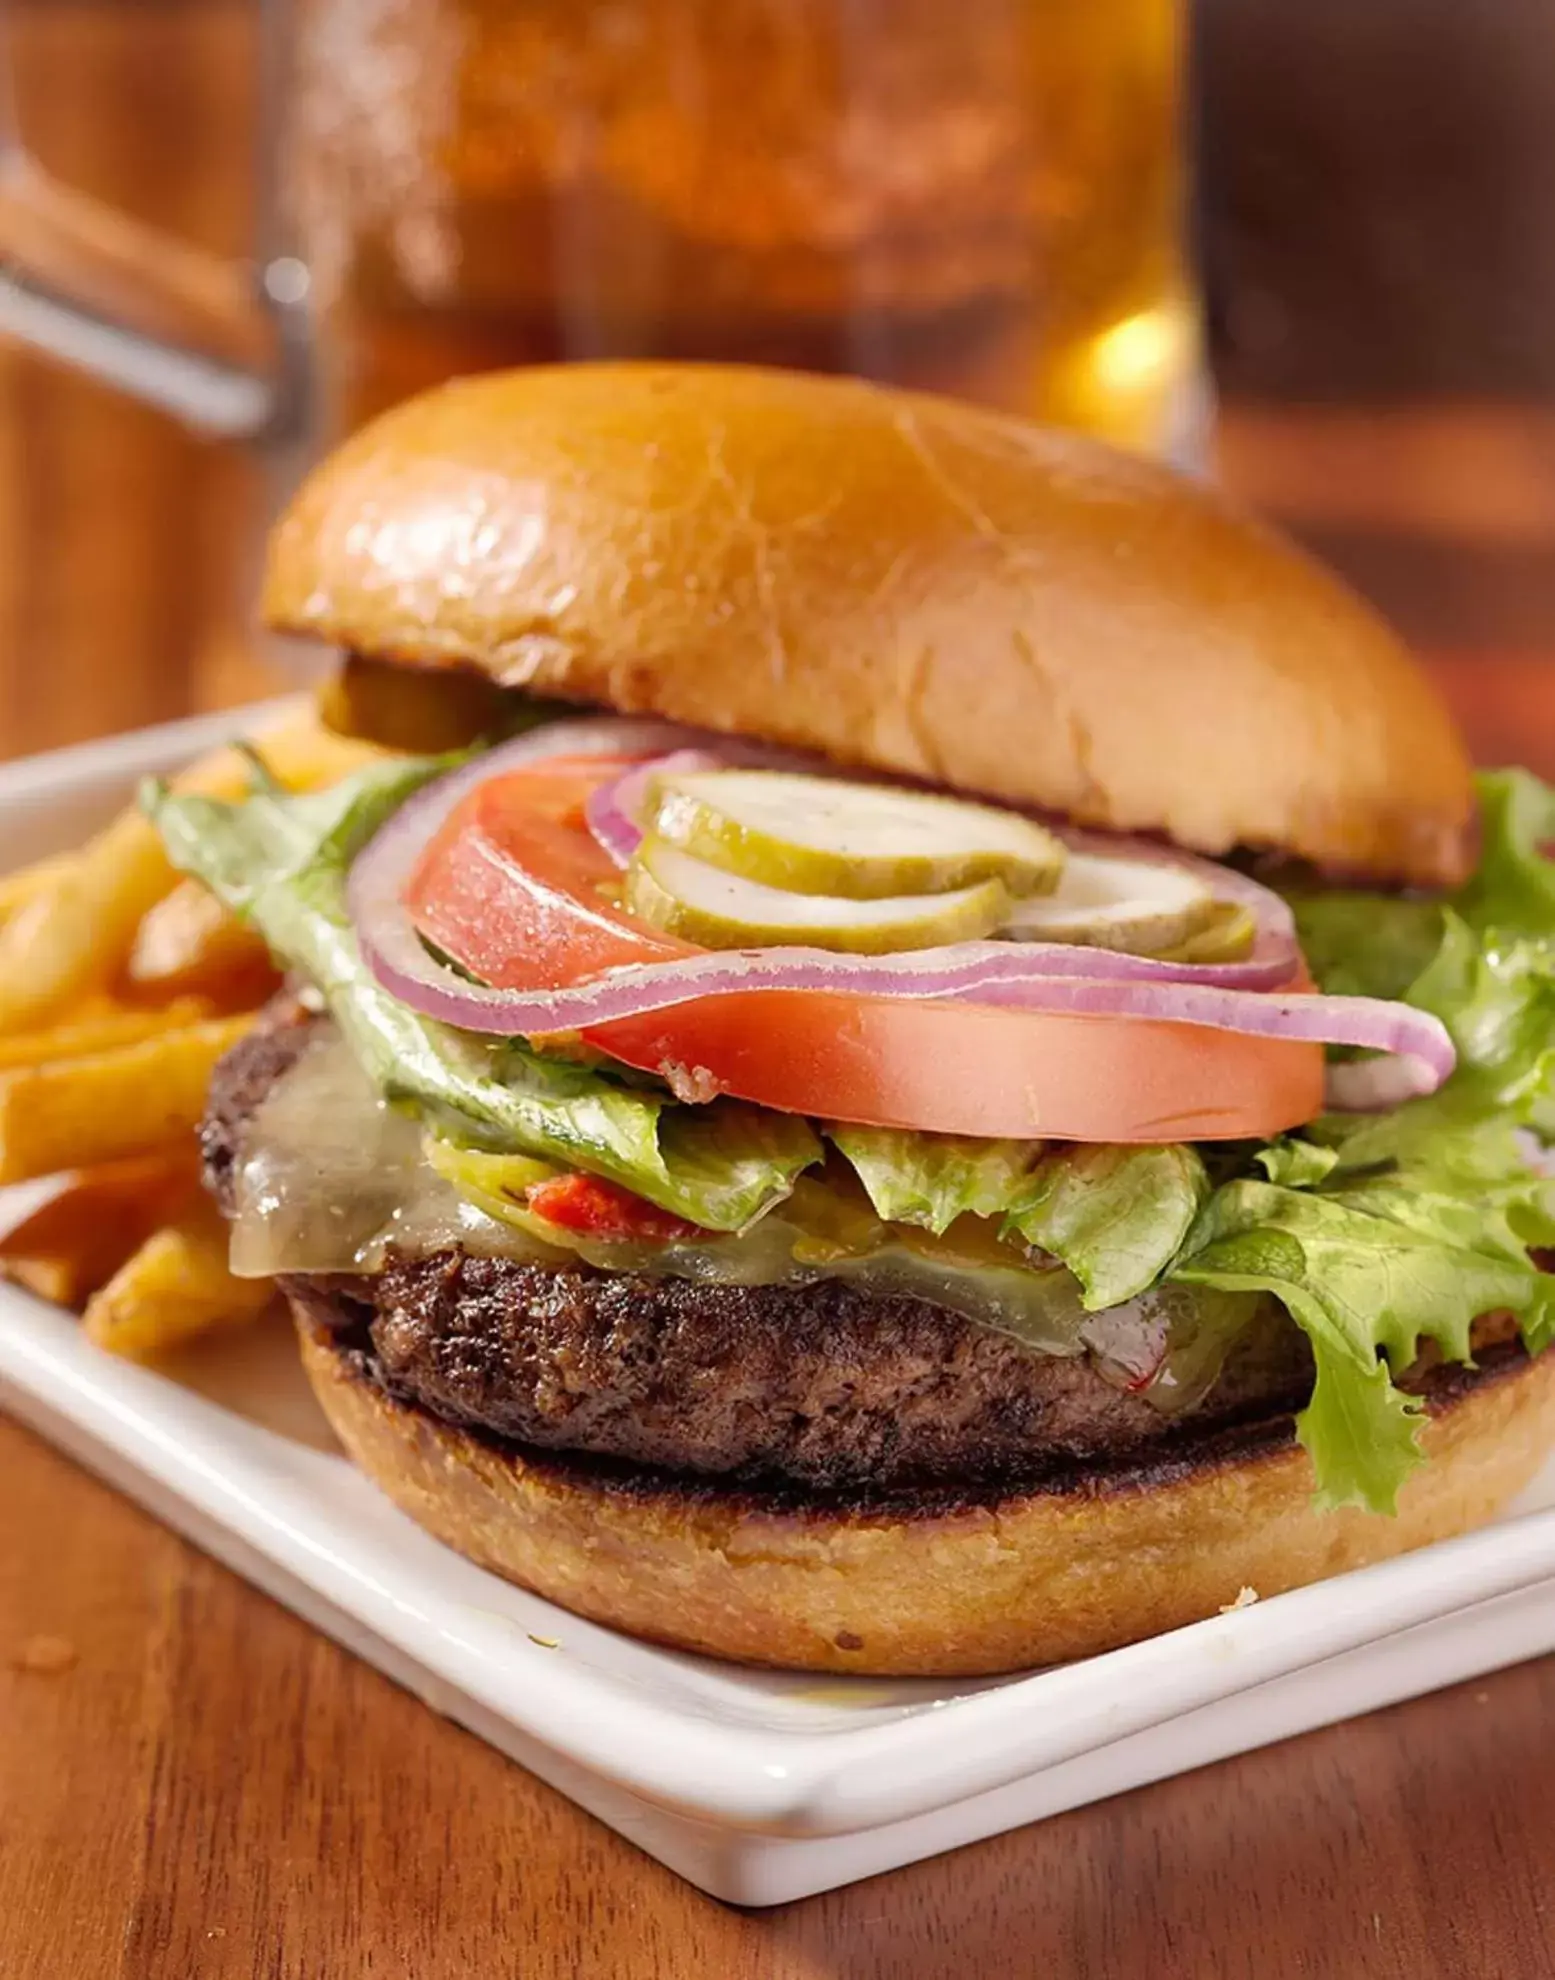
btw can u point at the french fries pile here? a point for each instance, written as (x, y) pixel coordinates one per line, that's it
(121, 985)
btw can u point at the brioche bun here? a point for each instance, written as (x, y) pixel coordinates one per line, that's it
(943, 1585)
(892, 580)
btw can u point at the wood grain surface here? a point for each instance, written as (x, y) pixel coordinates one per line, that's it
(193, 1783)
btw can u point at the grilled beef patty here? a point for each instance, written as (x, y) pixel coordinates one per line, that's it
(825, 1385)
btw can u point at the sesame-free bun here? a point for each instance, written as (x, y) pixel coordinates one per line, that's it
(947, 1585)
(892, 580)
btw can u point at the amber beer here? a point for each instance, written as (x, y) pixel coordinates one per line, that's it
(981, 197)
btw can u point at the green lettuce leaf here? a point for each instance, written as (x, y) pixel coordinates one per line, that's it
(1361, 1433)
(281, 862)
(1377, 1265)
(1295, 1163)
(932, 1179)
(1382, 1232)
(1115, 1216)
(1384, 945)
(1366, 945)
(1513, 888)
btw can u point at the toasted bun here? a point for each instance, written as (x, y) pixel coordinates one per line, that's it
(892, 580)
(944, 1587)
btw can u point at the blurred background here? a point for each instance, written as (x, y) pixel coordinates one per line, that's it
(1350, 318)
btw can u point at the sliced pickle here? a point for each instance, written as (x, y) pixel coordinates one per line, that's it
(425, 709)
(1227, 936)
(497, 1184)
(1131, 905)
(861, 842)
(719, 910)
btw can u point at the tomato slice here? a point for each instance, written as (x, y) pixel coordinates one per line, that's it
(514, 887)
(978, 1068)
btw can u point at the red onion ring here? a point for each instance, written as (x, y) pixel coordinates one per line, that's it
(614, 811)
(1422, 1052)
(1419, 1050)
(588, 735)
(1374, 1086)
(1035, 976)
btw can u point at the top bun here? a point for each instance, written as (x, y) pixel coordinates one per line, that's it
(893, 580)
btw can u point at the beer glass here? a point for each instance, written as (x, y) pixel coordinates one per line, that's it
(981, 197)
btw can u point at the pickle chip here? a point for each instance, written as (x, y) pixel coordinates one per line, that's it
(705, 904)
(860, 842)
(1226, 935)
(1131, 905)
(497, 1184)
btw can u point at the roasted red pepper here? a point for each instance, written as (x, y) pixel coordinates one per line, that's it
(603, 1210)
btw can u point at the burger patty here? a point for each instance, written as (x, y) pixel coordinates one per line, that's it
(824, 1385)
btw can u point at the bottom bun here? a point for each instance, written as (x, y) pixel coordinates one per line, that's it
(940, 1584)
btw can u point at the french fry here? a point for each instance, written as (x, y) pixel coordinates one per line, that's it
(189, 942)
(175, 1287)
(99, 1028)
(75, 933)
(305, 756)
(86, 1007)
(56, 1278)
(17, 888)
(75, 1242)
(73, 1113)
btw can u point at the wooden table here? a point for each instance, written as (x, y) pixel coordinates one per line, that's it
(194, 1783)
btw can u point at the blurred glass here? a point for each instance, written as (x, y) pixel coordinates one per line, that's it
(983, 198)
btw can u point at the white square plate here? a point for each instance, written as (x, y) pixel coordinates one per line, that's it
(759, 1788)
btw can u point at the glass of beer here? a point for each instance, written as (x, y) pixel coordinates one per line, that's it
(981, 197)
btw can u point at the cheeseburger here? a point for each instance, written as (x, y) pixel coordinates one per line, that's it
(923, 1056)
